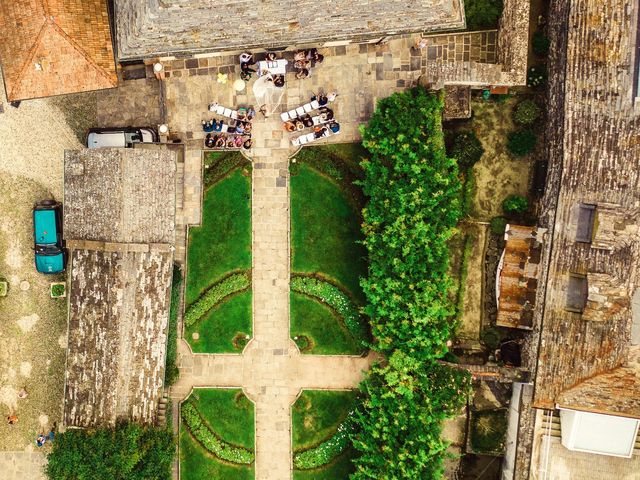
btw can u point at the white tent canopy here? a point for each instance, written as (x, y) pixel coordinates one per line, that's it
(597, 433)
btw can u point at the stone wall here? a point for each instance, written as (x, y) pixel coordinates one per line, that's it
(184, 27)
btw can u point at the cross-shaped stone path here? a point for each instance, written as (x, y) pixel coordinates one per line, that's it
(271, 370)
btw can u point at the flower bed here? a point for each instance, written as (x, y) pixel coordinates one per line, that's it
(325, 452)
(231, 284)
(336, 299)
(210, 441)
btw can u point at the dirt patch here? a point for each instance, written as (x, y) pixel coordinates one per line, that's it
(27, 322)
(497, 174)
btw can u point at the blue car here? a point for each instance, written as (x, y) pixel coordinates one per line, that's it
(47, 233)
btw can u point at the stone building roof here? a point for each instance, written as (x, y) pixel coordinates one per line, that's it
(52, 47)
(119, 221)
(586, 355)
(131, 192)
(518, 272)
(485, 63)
(159, 28)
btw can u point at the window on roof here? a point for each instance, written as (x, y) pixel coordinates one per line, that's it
(586, 221)
(577, 292)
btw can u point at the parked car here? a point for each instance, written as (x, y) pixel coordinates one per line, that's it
(50, 255)
(120, 137)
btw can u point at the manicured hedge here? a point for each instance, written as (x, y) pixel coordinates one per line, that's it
(210, 441)
(328, 450)
(334, 298)
(229, 285)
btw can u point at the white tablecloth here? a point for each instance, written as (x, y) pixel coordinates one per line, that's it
(276, 68)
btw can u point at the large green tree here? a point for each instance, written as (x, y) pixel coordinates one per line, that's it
(400, 420)
(414, 205)
(126, 452)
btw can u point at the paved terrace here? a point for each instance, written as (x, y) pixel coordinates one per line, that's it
(271, 370)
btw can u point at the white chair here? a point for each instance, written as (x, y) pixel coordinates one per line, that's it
(302, 139)
(225, 128)
(315, 105)
(296, 142)
(234, 114)
(316, 120)
(300, 111)
(227, 112)
(220, 110)
(284, 116)
(293, 114)
(307, 107)
(310, 137)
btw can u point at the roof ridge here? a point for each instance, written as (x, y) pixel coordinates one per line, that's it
(29, 58)
(79, 49)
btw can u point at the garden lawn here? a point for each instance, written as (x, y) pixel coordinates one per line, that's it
(218, 328)
(231, 416)
(319, 323)
(223, 243)
(316, 416)
(339, 469)
(325, 231)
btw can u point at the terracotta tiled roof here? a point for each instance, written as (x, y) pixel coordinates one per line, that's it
(53, 47)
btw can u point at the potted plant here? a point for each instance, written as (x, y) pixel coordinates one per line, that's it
(58, 289)
(4, 287)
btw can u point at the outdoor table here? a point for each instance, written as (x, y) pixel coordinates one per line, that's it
(275, 68)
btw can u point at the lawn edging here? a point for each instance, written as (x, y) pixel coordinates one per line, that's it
(334, 297)
(216, 294)
(209, 440)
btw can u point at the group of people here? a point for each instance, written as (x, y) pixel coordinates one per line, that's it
(325, 114)
(237, 133)
(303, 60)
(228, 141)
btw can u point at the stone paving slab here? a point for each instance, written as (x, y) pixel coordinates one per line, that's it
(22, 465)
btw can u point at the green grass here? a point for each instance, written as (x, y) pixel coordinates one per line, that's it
(317, 414)
(197, 464)
(221, 324)
(231, 420)
(339, 469)
(317, 322)
(223, 243)
(325, 231)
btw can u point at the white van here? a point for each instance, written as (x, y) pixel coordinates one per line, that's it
(120, 137)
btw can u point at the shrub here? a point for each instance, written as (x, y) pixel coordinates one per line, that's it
(399, 425)
(334, 298)
(125, 452)
(214, 295)
(526, 112)
(537, 76)
(482, 14)
(521, 142)
(210, 441)
(413, 208)
(515, 204)
(540, 43)
(466, 149)
(58, 290)
(490, 336)
(497, 225)
(328, 450)
(3, 288)
(171, 371)
(488, 431)
(218, 165)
